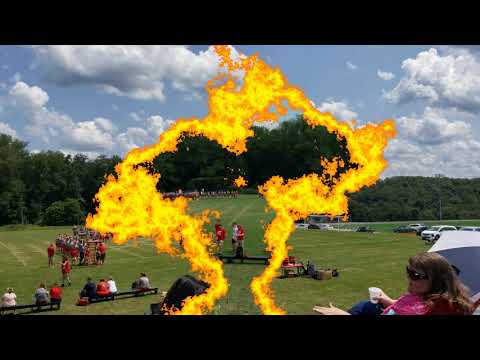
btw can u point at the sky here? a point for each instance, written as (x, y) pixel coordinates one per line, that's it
(108, 99)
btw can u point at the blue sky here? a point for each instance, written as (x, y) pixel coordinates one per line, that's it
(109, 99)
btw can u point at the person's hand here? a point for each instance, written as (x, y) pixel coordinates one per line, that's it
(384, 299)
(332, 310)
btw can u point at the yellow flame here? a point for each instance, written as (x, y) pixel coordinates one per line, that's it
(240, 182)
(130, 206)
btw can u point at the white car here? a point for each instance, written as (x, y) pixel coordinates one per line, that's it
(469, 228)
(415, 226)
(434, 233)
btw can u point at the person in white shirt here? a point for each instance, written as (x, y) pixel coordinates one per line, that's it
(9, 298)
(112, 287)
(234, 237)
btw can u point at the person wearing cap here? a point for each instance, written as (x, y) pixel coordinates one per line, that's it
(9, 298)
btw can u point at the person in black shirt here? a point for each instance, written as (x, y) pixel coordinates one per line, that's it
(89, 290)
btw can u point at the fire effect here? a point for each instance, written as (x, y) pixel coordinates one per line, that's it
(240, 182)
(130, 206)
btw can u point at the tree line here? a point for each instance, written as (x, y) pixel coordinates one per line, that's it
(51, 188)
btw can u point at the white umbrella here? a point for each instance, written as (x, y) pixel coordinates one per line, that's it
(462, 250)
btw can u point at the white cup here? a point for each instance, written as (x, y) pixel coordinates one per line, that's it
(374, 292)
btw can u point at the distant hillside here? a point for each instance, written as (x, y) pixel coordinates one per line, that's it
(417, 198)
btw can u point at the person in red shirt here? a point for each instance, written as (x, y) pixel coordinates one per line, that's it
(240, 237)
(87, 255)
(102, 288)
(50, 252)
(74, 253)
(221, 233)
(55, 294)
(66, 272)
(102, 248)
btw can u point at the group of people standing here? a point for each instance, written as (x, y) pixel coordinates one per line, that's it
(238, 236)
(78, 251)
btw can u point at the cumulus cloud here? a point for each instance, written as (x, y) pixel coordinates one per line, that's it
(450, 79)
(434, 142)
(156, 125)
(351, 66)
(49, 125)
(132, 138)
(6, 129)
(385, 75)
(135, 71)
(31, 97)
(433, 127)
(338, 109)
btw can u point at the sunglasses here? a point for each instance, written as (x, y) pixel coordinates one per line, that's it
(413, 275)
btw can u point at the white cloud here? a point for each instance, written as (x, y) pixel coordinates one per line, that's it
(49, 125)
(32, 97)
(338, 109)
(385, 75)
(156, 125)
(435, 142)
(451, 79)
(135, 116)
(6, 129)
(270, 125)
(433, 127)
(351, 66)
(135, 71)
(132, 138)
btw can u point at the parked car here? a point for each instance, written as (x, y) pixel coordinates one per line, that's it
(469, 228)
(415, 226)
(435, 232)
(365, 229)
(420, 229)
(404, 229)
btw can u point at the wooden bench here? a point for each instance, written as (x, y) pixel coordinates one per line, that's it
(124, 294)
(232, 258)
(33, 307)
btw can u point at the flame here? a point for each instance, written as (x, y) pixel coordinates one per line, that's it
(240, 182)
(130, 206)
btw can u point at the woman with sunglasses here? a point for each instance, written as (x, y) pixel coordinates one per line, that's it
(433, 289)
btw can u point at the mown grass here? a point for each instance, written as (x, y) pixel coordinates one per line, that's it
(363, 260)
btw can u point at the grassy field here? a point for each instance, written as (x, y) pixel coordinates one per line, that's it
(363, 260)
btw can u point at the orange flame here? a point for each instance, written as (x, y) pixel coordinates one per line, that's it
(240, 182)
(130, 206)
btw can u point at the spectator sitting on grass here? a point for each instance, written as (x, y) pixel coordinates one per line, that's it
(111, 285)
(9, 298)
(89, 290)
(433, 289)
(55, 294)
(41, 295)
(102, 288)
